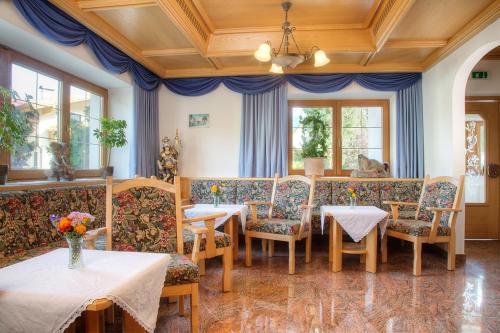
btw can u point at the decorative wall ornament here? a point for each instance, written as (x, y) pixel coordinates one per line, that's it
(472, 148)
(370, 168)
(169, 155)
(60, 167)
(199, 120)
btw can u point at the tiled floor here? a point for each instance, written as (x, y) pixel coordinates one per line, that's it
(266, 299)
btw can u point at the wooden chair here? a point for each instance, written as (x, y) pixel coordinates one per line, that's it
(289, 218)
(434, 222)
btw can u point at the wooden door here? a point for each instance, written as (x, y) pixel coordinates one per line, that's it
(482, 187)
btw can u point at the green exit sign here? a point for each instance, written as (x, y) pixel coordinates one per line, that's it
(479, 75)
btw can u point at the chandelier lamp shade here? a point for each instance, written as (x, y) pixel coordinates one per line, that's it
(283, 57)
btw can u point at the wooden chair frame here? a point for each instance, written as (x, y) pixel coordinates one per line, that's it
(269, 238)
(433, 237)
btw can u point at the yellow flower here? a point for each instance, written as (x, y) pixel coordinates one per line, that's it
(214, 188)
(354, 195)
(80, 229)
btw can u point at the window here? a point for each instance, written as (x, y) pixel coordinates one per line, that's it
(67, 109)
(357, 127)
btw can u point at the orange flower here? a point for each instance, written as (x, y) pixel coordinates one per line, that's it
(64, 225)
(350, 189)
(80, 229)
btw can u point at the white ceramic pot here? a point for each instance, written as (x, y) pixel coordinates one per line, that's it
(314, 166)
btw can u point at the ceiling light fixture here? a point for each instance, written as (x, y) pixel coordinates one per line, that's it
(283, 58)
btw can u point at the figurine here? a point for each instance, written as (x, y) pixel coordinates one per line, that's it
(370, 168)
(169, 155)
(60, 166)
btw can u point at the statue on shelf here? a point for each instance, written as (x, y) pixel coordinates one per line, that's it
(370, 168)
(60, 167)
(169, 155)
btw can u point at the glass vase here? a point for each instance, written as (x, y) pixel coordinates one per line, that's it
(216, 200)
(75, 246)
(352, 202)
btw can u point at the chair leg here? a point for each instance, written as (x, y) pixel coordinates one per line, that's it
(248, 251)
(451, 254)
(194, 309)
(291, 256)
(308, 248)
(201, 266)
(383, 248)
(227, 261)
(417, 258)
(264, 247)
(270, 247)
(182, 310)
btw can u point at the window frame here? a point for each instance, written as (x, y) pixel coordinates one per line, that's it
(336, 106)
(10, 57)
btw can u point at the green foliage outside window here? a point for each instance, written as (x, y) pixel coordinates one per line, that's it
(315, 132)
(111, 134)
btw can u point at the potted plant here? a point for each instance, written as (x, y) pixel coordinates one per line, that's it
(111, 135)
(14, 126)
(315, 135)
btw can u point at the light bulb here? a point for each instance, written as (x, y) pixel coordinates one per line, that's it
(263, 53)
(276, 69)
(320, 58)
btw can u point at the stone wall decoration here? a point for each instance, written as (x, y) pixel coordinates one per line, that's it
(168, 161)
(370, 168)
(60, 167)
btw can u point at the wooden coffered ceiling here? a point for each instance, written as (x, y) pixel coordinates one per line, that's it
(186, 38)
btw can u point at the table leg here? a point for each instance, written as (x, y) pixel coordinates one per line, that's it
(330, 239)
(228, 229)
(362, 257)
(235, 237)
(371, 251)
(130, 325)
(336, 247)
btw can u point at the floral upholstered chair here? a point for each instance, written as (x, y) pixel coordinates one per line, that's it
(289, 218)
(434, 221)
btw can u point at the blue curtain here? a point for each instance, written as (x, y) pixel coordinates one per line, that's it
(410, 132)
(264, 134)
(146, 131)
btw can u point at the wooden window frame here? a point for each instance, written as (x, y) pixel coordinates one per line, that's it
(336, 106)
(8, 57)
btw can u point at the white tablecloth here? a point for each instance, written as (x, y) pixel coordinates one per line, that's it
(206, 209)
(43, 295)
(357, 221)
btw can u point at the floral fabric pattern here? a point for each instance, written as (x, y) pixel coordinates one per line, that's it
(368, 193)
(416, 228)
(144, 220)
(402, 191)
(181, 270)
(30, 253)
(440, 195)
(96, 196)
(201, 194)
(221, 240)
(253, 190)
(276, 226)
(288, 198)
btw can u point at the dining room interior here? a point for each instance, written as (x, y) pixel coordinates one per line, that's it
(249, 166)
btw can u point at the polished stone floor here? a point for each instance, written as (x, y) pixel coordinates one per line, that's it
(266, 299)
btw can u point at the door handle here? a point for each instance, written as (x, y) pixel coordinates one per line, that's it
(493, 170)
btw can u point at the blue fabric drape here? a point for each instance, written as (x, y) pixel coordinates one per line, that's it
(264, 134)
(62, 28)
(410, 132)
(146, 131)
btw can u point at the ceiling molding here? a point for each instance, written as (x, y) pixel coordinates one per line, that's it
(298, 28)
(331, 41)
(414, 43)
(187, 19)
(216, 63)
(478, 23)
(94, 5)
(371, 14)
(169, 52)
(204, 15)
(264, 70)
(106, 31)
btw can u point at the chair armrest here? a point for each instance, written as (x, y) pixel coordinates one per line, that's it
(307, 206)
(91, 235)
(438, 213)
(255, 203)
(437, 209)
(400, 203)
(204, 217)
(196, 229)
(187, 207)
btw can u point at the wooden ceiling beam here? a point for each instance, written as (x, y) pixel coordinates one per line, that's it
(169, 52)
(187, 19)
(414, 44)
(216, 63)
(262, 70)
(94, 5)
(108, 32)
(478, 23)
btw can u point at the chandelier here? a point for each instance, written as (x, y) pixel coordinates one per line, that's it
(283, 58)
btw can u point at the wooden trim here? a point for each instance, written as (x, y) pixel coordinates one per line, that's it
(94, 5)
(478, 23)
(277, 28)
(204, 15)
(491, 57)
(484, 99)
(22, 186)
(170, 52)
(414, 43)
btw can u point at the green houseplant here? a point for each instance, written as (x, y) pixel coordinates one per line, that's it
(111, 135)
(315, 136)
(14, 127)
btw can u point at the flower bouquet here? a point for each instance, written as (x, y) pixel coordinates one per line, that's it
(216, 193)
(73, 227)
(353, 195)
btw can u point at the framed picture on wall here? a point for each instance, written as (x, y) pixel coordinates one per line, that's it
(199, 120)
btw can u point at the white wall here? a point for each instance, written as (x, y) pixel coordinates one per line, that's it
(485, 87)
(444, 109)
